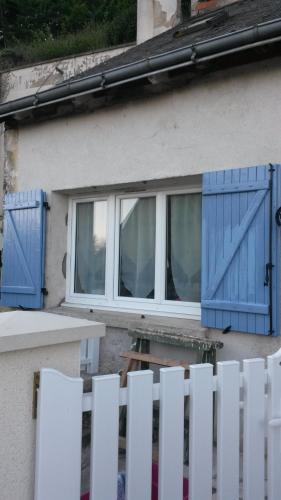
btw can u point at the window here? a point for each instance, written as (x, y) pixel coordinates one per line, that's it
(139, 251)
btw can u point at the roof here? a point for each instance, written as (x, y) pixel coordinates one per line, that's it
(232, 18)
(230, 35)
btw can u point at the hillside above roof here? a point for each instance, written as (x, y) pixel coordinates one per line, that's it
(230, 19)
(227, 35)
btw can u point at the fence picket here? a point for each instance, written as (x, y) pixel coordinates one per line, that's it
(105, 431)
(171, 433)
(228, 414)
(139, 435)
(254, 430)
(58, 446)
(274, 426)
(201, 432)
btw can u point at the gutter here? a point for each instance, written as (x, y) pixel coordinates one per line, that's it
(258, 35)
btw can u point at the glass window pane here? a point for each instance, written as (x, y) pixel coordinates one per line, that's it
(90, 248)
(137, 247)
(183, 275)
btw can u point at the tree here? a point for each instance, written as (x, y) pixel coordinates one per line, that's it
(34, 30)
(24, 21)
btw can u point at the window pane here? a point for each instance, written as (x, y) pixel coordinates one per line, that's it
(183, 276)
(137, 247)
(90, 248)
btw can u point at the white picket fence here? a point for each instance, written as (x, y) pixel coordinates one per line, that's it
(246, 416)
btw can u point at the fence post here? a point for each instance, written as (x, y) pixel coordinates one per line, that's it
(104, 438)
(274, 426)
(228, 414)
(171, 433)
(201, 432)
(139, 435)
(58, 437)
(254, 429)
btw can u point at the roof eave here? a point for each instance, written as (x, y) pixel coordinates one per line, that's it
(190, 55)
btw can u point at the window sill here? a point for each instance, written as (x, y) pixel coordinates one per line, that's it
(130, 320)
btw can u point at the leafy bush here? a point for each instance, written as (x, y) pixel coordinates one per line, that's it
(37, 30)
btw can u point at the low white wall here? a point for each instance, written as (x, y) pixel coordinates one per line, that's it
(17, 450)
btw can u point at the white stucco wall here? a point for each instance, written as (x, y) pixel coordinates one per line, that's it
(225, 120)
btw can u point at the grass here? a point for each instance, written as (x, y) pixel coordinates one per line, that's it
(93, 37)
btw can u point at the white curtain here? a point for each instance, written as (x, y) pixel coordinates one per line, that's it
(137, 248)
(90, 248)
(184, 248)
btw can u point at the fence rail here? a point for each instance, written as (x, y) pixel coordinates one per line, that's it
(245, 413)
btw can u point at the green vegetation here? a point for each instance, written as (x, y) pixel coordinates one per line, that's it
(37, 30)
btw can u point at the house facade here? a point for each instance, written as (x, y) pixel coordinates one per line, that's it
(161, 171)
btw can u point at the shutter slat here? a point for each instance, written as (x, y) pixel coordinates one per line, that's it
(235, 249)
(237, 306)
(236, 188)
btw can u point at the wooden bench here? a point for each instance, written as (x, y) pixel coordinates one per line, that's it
(135, 359)
(206, 349)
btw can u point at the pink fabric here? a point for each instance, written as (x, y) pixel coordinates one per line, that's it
(154, 490)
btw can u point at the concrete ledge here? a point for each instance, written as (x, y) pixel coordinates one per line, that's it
(131, 320)
(29, 329)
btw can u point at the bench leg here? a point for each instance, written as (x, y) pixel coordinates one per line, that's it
(145, 349)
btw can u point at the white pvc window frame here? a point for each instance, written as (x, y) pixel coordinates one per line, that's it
(110, 300)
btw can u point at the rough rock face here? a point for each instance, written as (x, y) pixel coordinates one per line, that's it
(156, 16)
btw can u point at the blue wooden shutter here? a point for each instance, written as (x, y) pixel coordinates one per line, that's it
(236, 231)
(23, 250)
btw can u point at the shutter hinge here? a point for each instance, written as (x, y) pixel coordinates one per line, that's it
(44, 291)
(227, 329)
(46, 205)
(268, 268)
(278, 216)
